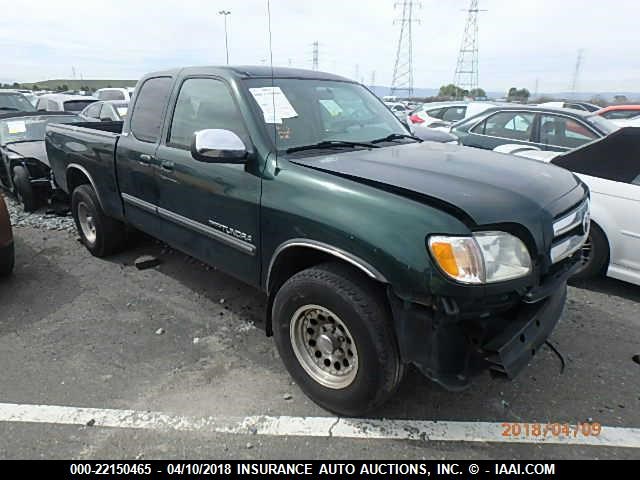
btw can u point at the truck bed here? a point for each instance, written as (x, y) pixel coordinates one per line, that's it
(86, 149)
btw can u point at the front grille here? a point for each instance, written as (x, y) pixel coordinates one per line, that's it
(570, 231)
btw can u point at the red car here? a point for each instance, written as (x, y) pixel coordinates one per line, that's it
(6, 241)
(619, 112)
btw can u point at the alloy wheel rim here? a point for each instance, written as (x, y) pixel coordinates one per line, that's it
(324, 346)
(87, 223)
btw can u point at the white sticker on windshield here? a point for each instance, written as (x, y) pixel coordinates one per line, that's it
(122, 111)
(274, 104)
(16, 127)
(332, 107)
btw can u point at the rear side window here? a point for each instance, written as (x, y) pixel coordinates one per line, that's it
(111, 95)
(436, 113)
(146, 119)
(454, 114)
(564, 132)
(513, 125)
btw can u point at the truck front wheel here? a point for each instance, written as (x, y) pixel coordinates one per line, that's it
(102, 235)
(334, 335)
(23, 189)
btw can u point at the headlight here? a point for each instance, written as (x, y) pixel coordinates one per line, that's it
(484, 257)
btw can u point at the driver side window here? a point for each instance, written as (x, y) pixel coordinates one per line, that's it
(204, 103)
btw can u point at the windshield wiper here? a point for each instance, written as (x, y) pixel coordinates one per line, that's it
(330, 144)
(10, 108)
(396, 136)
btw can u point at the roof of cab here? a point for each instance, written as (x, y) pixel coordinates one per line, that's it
(253, 71)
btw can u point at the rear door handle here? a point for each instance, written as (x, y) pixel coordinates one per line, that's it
(167, 166)
(144, 158)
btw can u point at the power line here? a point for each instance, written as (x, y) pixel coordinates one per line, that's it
(466, 74)
(403, 67)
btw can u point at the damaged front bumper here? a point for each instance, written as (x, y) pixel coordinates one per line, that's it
(451, 345)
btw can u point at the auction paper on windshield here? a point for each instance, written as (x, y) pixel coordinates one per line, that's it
(274, 104)
(16, 127)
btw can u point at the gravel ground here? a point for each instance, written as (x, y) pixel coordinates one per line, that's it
(43, 219)
(87, 332)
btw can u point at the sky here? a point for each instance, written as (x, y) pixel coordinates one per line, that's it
(519, 41)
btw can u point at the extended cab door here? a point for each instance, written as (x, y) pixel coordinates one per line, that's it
(209, 210)
(136, 160)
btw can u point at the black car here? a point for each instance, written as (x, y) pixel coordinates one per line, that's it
(547, 128)
(106, 111)
(24, 167)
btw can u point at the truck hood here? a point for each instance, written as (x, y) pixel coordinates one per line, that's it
(33, 149)
(489, 187)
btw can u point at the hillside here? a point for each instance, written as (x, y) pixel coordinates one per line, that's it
(78, 84)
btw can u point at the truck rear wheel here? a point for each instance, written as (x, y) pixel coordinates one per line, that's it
(102, 235)
(24, 190)
(334, 336)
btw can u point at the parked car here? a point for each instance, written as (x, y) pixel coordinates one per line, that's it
(11, 101)
(584, 106)
(60, 102)
(105, 111)
(375, 250)
(24, 167)
(619, 112)
(628, 122)
(547, 128)
(611, 169)
(6, 240)
(122, 94)
(445, 114)
(400, 110)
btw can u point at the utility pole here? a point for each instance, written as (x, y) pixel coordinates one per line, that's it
(466, 74)
(373, 79)
(576, 72)
(225, 13)
(315, 46)
(535, 91)
(403, 67)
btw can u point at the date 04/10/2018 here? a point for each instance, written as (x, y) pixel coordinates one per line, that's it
(516, 429)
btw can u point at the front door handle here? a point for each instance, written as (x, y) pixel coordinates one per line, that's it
(167, 166)
(145, 158)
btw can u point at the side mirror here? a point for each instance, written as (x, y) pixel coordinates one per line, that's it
(218, 146)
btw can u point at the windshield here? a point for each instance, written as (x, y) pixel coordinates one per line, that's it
(308, 112)
(29, 129)
(602, 124)
(15, 102)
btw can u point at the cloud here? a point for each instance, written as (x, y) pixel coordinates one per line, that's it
(519, 42)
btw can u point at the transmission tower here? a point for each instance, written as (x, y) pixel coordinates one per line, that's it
(466, 75)
(403, 68)
(576, 72)
(315, 55)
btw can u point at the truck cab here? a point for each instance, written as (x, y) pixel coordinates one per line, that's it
(376, 250)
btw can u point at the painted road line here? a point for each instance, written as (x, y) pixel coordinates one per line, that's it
(421, 430)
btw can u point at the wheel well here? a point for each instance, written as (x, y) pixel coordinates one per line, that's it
(606, 239)
(294, 260)
(75, 178)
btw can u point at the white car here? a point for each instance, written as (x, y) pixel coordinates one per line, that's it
(123, 94)
(400, 110)
(627, 122)
(584, 106)
(445, 114)
(62, 102)
(610, 168)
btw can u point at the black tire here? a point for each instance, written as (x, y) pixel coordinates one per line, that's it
(23, 189)
(595, 263)
(361, 309)
(7, 260)
(110, 234)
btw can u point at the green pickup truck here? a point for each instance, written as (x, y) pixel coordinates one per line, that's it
(376, 250)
